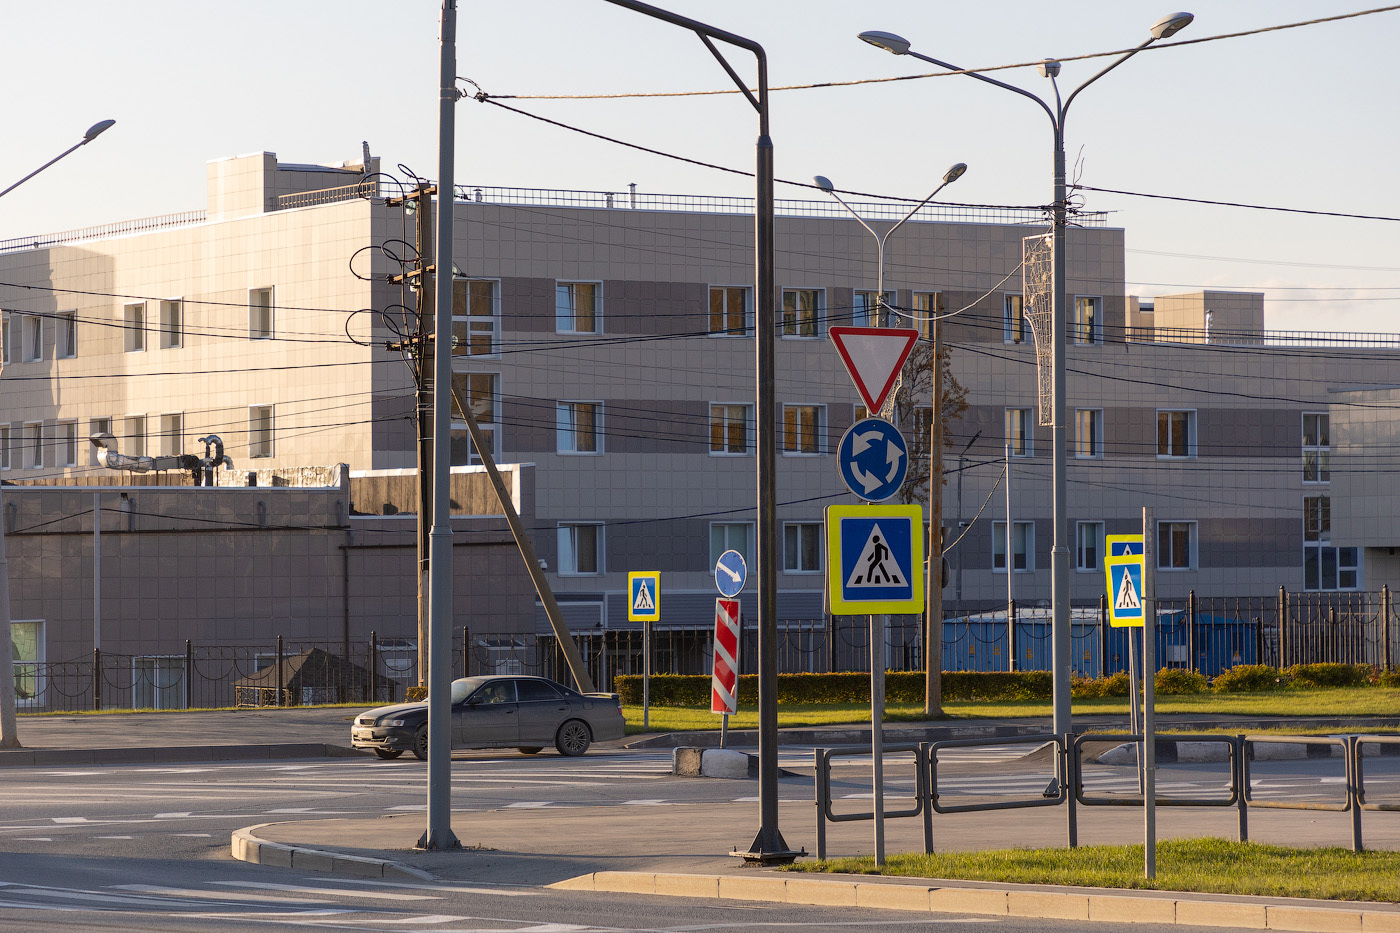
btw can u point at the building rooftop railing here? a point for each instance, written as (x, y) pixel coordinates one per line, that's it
(1259, 338)
(103, 231)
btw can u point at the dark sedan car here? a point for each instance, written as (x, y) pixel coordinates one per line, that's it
(520, 712)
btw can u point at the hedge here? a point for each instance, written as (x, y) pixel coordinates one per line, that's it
(693, 690)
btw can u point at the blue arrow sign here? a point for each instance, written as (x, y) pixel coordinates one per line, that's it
(730, 573)
(873, 459)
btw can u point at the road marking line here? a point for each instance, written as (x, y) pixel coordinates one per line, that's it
(270, 886)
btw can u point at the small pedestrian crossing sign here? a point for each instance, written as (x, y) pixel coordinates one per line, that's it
(876, 556)
(644, 596)
(1125, 590)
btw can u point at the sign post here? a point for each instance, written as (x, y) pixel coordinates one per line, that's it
(644, 606)
(1149, 699)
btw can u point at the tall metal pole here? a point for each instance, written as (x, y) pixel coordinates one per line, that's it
(1149, 685)
(438, 834)
(933, 627)
(1010, 572)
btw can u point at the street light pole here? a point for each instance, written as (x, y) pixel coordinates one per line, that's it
(1164, 28)
(9, 726)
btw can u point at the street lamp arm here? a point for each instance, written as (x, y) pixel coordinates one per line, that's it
(981, 77)
(1075, 93)
(917, 207)
(94, 131)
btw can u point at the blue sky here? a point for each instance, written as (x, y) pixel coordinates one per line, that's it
(1300, 118)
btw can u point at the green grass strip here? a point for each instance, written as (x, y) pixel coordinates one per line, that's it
(1215, 866)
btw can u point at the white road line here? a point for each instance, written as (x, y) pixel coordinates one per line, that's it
(643, 803)
(199, 895)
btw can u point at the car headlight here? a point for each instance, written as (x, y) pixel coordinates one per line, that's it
(392, 722)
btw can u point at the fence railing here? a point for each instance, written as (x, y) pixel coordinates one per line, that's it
(1207, 635)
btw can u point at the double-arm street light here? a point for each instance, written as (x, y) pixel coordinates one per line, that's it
(1164, 28)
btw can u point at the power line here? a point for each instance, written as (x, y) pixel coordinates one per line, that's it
(1255, 207)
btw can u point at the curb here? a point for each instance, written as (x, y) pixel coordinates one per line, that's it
(22, 757)
(247, 847)
(1166, 908)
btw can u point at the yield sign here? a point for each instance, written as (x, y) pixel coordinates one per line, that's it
(873, 356)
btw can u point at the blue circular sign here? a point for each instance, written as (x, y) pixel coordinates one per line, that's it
(873, 459)
(730, 573)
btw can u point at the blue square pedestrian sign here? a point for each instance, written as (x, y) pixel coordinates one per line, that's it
(644, 596)
(875, 559)
(1125, 602)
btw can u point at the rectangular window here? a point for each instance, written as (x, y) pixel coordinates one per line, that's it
(801, 313)
(803, 429)
(866, 310)
(1018, 432)
(481, 392)
(1176, 545)
(66, 344)
(5, 339)
(172, 434)
(33, 338)
(731, 536)
(97, 426)
(927, 306)
(476, 318)
(172, 324)
(1176, 434)
(158, 682)
(1013, 320)
(579, 427)
(802, 547)
(1088, 545)
(260, 319)
(581, 548)
(34, 443)
(1023, 546)
(67, 443)
(730, 311)
(1088, 433)
(1087, 326)
(133, 443)
(729, 429)
(1317, 448)
(4, 447)
(134, 327)
(577, 308)
(27, 639)
(260, 431)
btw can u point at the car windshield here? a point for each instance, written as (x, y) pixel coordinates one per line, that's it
(463, 688)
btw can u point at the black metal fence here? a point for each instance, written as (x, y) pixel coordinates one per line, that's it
(1208, 635)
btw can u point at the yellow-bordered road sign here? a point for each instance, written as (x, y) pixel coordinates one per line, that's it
(1125, 602)
(644, 596)
(1119, 545)
(875, 559)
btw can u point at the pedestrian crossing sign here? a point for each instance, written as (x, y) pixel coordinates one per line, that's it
(1125, 597)
(875, 559)
(644, 596)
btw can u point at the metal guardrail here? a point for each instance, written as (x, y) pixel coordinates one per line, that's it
(102, 231)
(822, 759)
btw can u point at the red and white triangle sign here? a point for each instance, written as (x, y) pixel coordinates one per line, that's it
(873, 356)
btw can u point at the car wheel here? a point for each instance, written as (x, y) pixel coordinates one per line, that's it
(573, 738)
(530, 749)
(388, 753)
(420, 743)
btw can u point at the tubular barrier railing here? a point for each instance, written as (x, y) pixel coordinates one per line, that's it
(822, 758)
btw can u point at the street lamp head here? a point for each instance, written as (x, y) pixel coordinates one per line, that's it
(1049, 68)
(954, 173)
(895, 45)
(96, 130)
(824, 183)
(1170, 25)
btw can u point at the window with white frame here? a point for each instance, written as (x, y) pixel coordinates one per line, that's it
(1317, 447)
(731, 311)
(579, 427)
(1088, 546)
(1088, 433)
(1087, 325)
(1176, 545)
(476, 318)
(27, 638)
(1325, 566)
(801, 313)
(1019, 432)
(34, 444)
(133, 441)
(866, 310)
(730, 536)
(927, 306)
(1022, 546)
(803, 429)
(157, 682)
(580, 548)
(1014, 328)
(66, 437)
(66, 342)
(172, 324)
(482, 394)
(261, 322)
(802, 547)
(97, 426)
(6, 342)
(4, 447)
(33, 338)
(1176, 434)
(172, 434)
(578, 308)
(730, 428)
(260, 428)
(134, 327)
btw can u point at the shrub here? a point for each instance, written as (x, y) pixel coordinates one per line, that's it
(1114, 685)
(1177, 680)
(415, 694)
(1389, 678)
(693, 690)
(1247, 678)
(1330, 675)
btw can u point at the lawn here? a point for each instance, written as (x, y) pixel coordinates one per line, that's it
(1217, 866)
